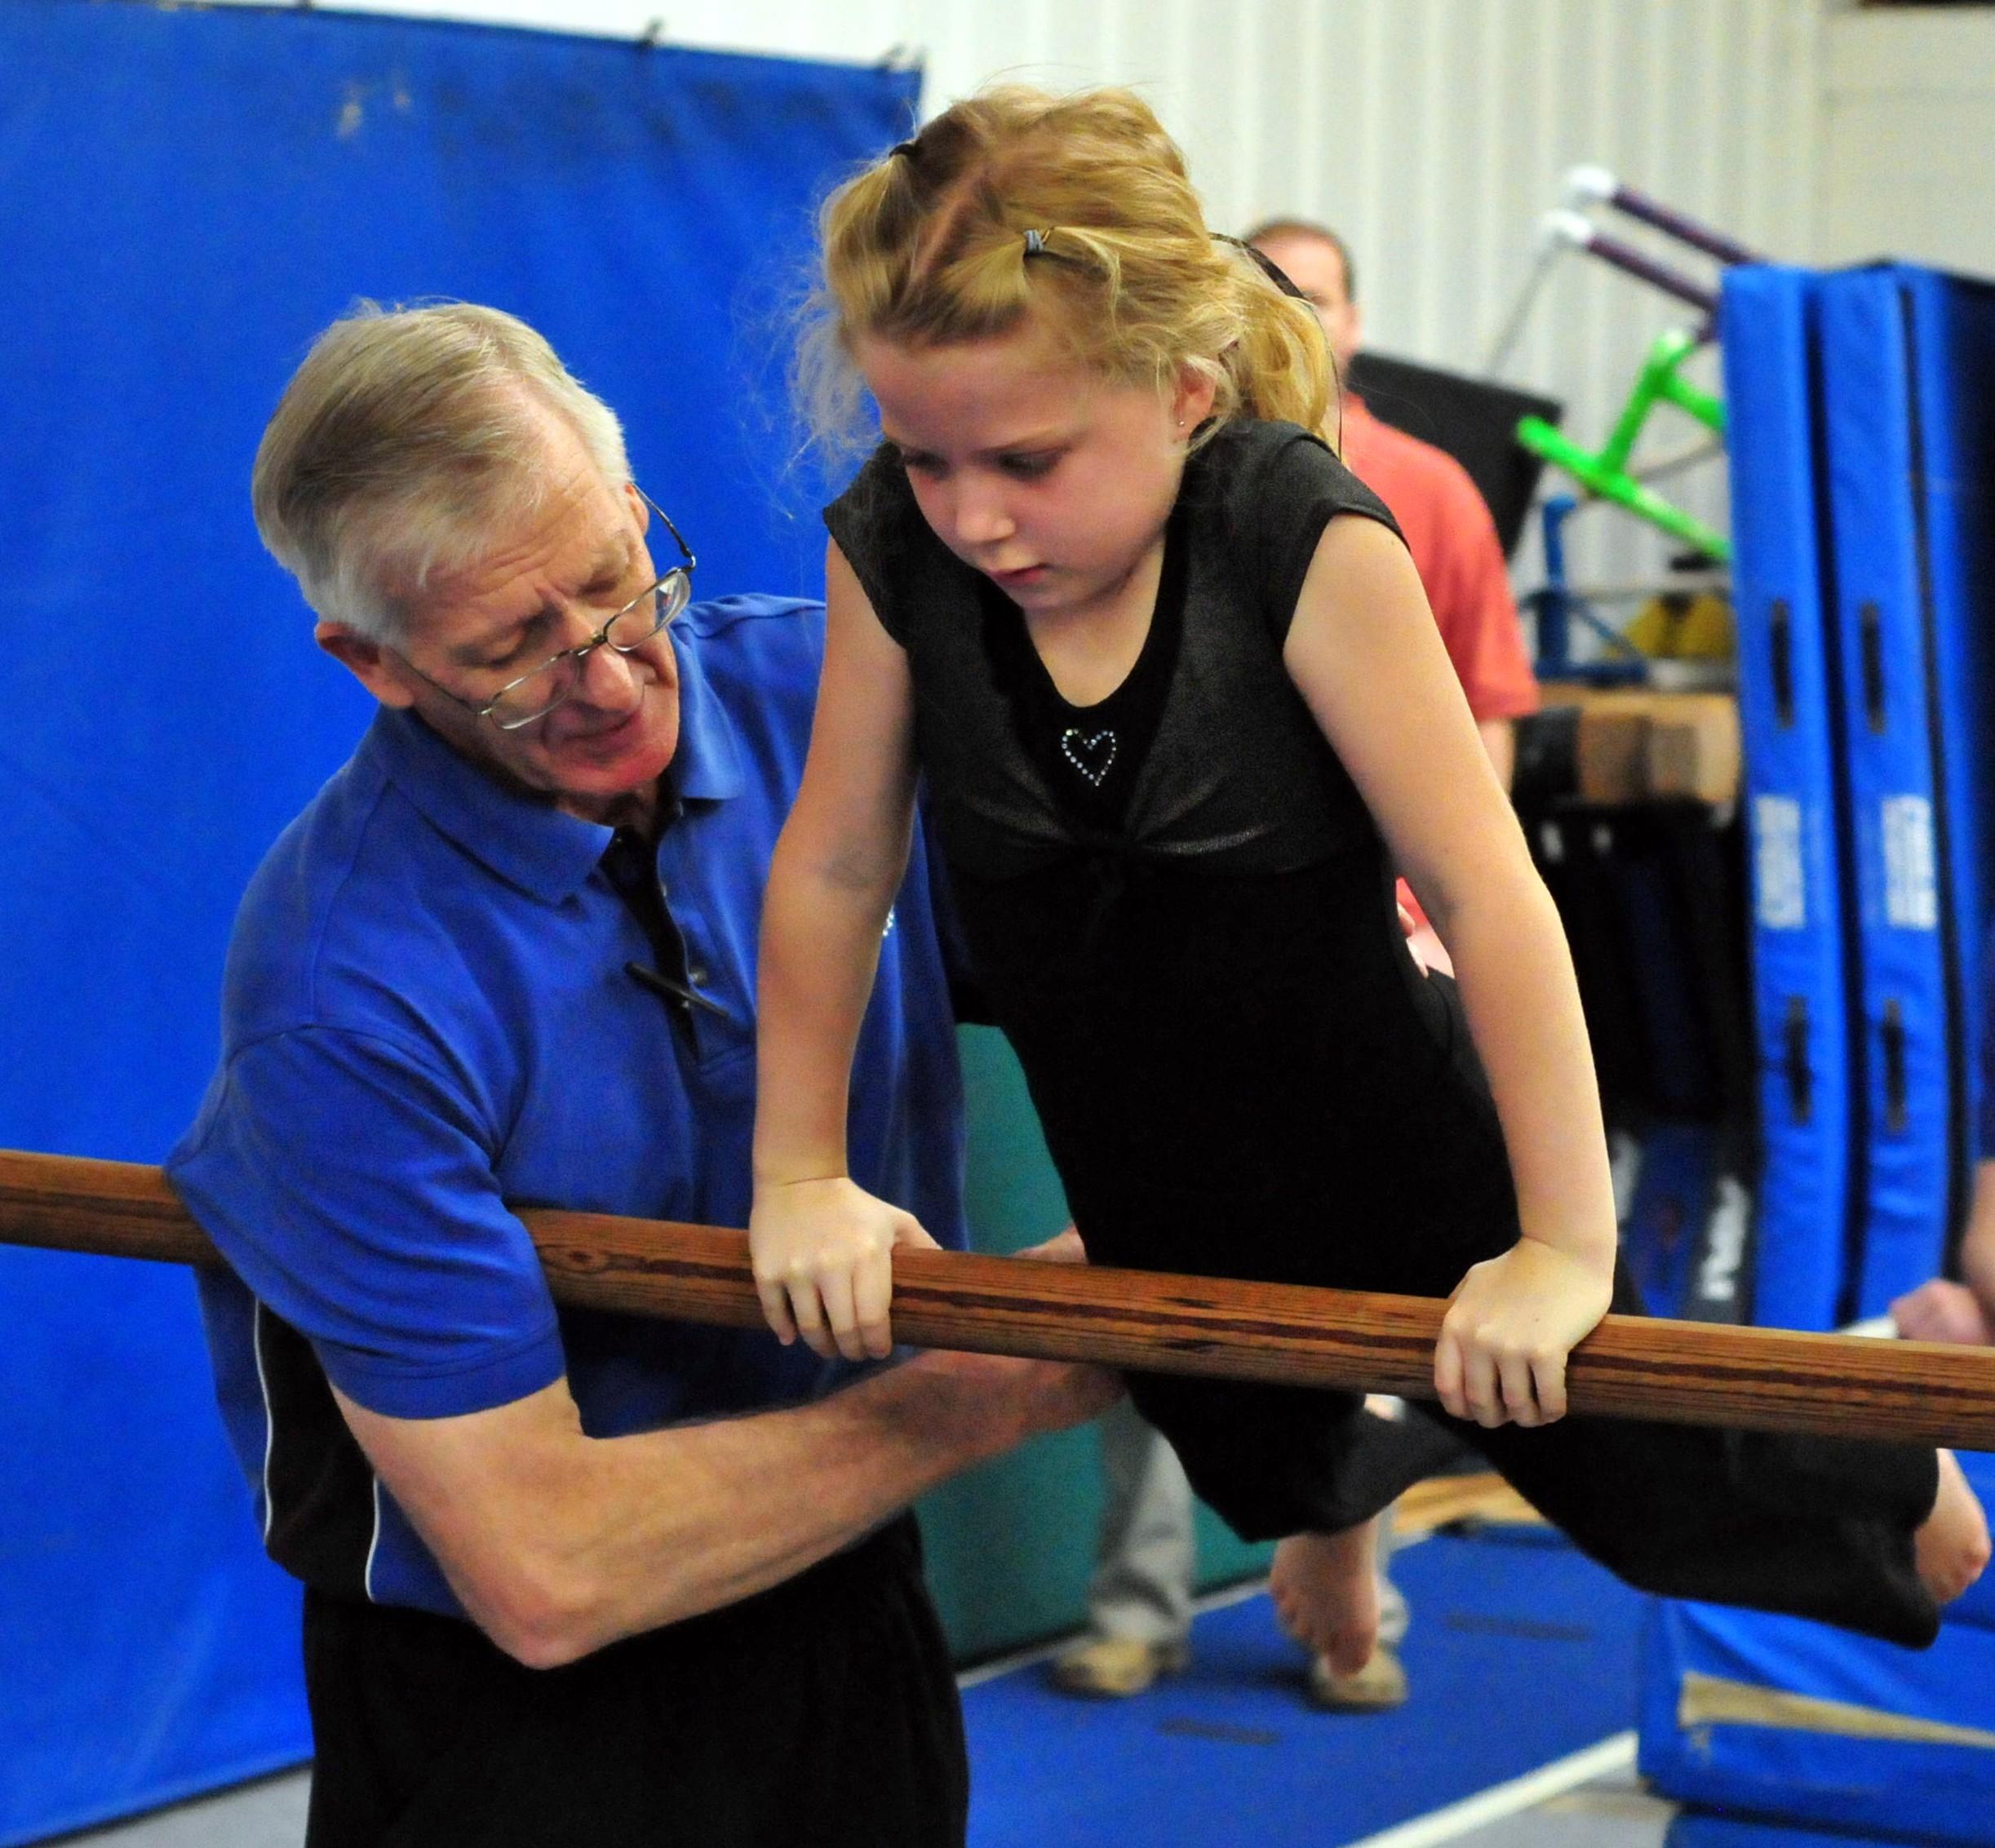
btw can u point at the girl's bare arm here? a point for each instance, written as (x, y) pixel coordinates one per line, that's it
(1365, 653)
(821, 1246)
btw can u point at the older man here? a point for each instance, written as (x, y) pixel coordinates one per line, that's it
(570, 1577)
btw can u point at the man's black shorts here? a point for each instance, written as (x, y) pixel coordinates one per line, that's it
(823, 1712)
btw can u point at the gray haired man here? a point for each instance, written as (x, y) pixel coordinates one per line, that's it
(569, 1578)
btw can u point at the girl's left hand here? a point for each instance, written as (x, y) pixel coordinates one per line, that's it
(1509, 1325)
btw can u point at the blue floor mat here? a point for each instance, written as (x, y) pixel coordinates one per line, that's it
(1521, 1652)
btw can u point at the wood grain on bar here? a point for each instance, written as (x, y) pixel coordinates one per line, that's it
(1679, 1372)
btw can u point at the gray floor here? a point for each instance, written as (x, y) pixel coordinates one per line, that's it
(1612, 1812)
(270, 1814)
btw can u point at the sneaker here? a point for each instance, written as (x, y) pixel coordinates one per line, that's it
(1112, 1667)
(1377, 1687)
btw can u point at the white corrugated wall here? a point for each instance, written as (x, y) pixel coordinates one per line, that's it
(1434, 133)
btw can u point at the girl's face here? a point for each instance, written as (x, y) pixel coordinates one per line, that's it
(1054, 482)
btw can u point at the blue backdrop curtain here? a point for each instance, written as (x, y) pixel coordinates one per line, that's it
(185, 198)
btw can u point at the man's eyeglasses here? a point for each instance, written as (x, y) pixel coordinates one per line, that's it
(535, 694)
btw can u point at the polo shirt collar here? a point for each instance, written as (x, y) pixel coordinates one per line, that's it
(520, 836)
(707, 766)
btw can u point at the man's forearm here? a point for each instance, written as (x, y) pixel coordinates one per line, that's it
(558, 1543)
(755, 1500)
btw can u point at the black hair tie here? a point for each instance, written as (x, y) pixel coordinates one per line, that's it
(1264, 263)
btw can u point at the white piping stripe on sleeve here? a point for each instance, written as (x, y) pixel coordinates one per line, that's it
(374, 1545)
(270, 1422)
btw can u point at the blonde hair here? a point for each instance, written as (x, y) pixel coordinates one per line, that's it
(403, 439)
(929, 246)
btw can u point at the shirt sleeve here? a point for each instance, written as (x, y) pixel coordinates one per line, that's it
(345, 1182)
(1283, 489)
(870, 523)
(1469, 587)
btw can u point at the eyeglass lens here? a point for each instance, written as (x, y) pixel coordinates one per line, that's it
(541, 691)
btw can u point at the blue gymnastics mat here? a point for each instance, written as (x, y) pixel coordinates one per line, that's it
(1803, 956)
(1907, 396)
(1512, 1625)
(1775, 1718)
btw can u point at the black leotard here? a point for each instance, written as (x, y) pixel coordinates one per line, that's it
(1182, 915)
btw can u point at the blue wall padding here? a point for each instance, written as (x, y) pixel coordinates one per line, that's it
(1907, 359)
(1862, 411)
(1802, 959)
(186, 197)
(1923, 1790)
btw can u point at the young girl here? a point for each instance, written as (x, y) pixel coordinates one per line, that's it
(1181, 709)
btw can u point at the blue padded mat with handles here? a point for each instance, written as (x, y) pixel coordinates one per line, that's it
(1907, 367)
(1802, 955)
(1787, 1721)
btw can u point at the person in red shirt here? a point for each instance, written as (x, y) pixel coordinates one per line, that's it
(1447, 523)
(1140, 1596)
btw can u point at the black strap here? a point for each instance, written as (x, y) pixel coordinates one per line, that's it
(630, 863)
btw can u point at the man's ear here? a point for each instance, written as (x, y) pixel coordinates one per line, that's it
(377, 669)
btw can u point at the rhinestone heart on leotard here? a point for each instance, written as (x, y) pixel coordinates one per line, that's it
(1093, 753)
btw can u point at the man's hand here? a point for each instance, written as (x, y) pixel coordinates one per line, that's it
(1509, 1326)
(1018, 1398)
(1062, 1247)
(823, 1253)
(1040, 1395)
(1943, 1311)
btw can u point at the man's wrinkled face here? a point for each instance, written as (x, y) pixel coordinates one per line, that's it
(547, 582)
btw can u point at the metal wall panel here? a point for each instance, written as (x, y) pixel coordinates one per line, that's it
(1433, 133)
(1908, 131)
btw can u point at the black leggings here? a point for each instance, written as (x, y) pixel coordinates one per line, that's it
(1246, 1077)
(1817, 1527)
(824, 1710)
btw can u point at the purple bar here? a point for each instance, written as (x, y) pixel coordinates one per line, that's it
(1671, 281)
(1688, 230)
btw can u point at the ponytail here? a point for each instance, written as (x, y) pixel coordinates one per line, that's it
(1077, 212)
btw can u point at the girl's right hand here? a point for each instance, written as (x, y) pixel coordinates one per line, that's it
(1509, 1326)
(822, 1252)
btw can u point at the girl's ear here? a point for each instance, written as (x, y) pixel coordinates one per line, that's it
(1192, 402)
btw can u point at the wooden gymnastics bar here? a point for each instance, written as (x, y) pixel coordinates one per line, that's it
(1680, 1373)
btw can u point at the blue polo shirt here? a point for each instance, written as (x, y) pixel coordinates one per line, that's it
(428, 1022)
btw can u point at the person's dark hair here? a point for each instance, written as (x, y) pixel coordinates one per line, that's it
(1309, 228)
